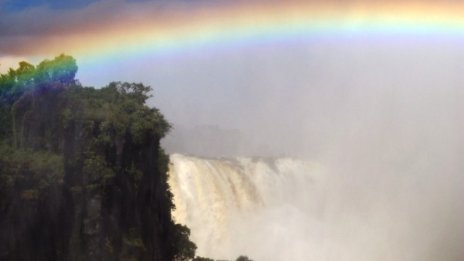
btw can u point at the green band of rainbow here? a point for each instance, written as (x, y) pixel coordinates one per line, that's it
(242, 23)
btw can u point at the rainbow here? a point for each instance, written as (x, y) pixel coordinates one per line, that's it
(163, 33)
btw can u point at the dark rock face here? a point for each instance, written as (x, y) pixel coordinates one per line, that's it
(83, 177)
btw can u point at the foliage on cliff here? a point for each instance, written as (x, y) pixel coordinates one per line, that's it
(82, 173)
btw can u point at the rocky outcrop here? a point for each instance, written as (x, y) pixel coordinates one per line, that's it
(82, 173)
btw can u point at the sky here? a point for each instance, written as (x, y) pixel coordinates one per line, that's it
(299, 74)
(15, 6)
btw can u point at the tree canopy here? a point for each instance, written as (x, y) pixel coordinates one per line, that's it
(77, 149)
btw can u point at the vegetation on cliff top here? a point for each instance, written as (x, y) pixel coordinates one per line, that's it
(82, 174)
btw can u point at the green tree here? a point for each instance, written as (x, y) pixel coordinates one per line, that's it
(82, 173)
(62, 70)
(184, 248)
(243, 258)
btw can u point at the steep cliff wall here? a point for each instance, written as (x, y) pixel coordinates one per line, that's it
(82, 174)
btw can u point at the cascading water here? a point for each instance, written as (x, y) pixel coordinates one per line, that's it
(288, 209)
(224, 202)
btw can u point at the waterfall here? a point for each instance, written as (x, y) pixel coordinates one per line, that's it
(223, 200)
(288, 209)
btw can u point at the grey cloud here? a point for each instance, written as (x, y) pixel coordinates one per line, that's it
(21, 31)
